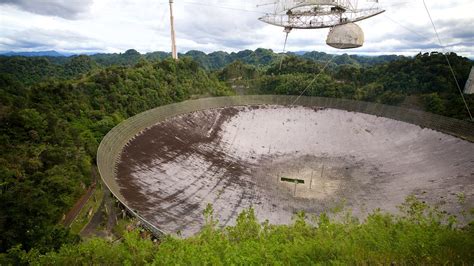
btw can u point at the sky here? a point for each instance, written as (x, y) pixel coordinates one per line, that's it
(113, 26)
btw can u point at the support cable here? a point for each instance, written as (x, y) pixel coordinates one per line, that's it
(449, 62)
(408, 28)
(223, 7)
(314, 79)
(287, 31)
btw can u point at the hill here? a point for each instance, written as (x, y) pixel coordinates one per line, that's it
(419, 235)
(54, 112)
(54, 64)
(50, 132)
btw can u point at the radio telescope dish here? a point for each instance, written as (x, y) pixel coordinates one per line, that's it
(318, 14)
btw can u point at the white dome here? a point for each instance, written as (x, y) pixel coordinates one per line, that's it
(345, 36)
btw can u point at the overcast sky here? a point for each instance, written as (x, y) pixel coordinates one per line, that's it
(84, 26)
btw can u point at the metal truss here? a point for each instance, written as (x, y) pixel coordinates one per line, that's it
(317, 14)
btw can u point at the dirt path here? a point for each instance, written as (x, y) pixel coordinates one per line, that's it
(94, 225)
(72, 214)
(106, 216)
(109, 203)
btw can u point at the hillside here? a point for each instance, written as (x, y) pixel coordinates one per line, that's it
(57, 66)
(421, 82)
(55, 111)
(419, 235)
(50, 133)
(425, 77)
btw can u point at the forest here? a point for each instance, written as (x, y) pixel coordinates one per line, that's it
(54, 111)
(422, 82)
(420, 234)
(50, 133)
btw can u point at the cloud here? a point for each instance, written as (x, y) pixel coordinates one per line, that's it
(218, 25)
(456, 28)
(68, 9)
(40, 39)
(212, 25)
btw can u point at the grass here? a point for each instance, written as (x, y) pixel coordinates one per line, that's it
(93, 203)
(122, 224)
(419, 235)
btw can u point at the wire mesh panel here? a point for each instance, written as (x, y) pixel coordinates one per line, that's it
(110, 148)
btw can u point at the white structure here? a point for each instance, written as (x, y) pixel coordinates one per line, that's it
(469, 89)
(249, 156)
(174, 51)
(317, 14)
(339, 15)
(345, 36)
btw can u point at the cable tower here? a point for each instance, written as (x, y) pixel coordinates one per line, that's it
(174, 51)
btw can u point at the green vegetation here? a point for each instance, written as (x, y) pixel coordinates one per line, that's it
(55, 111)
(419, 235)
(34, 69)
(29, 70)
(384, 79)
(50, 133)
(426, 77)
(91, 207)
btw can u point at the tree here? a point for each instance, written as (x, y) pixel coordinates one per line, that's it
(433, 103)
